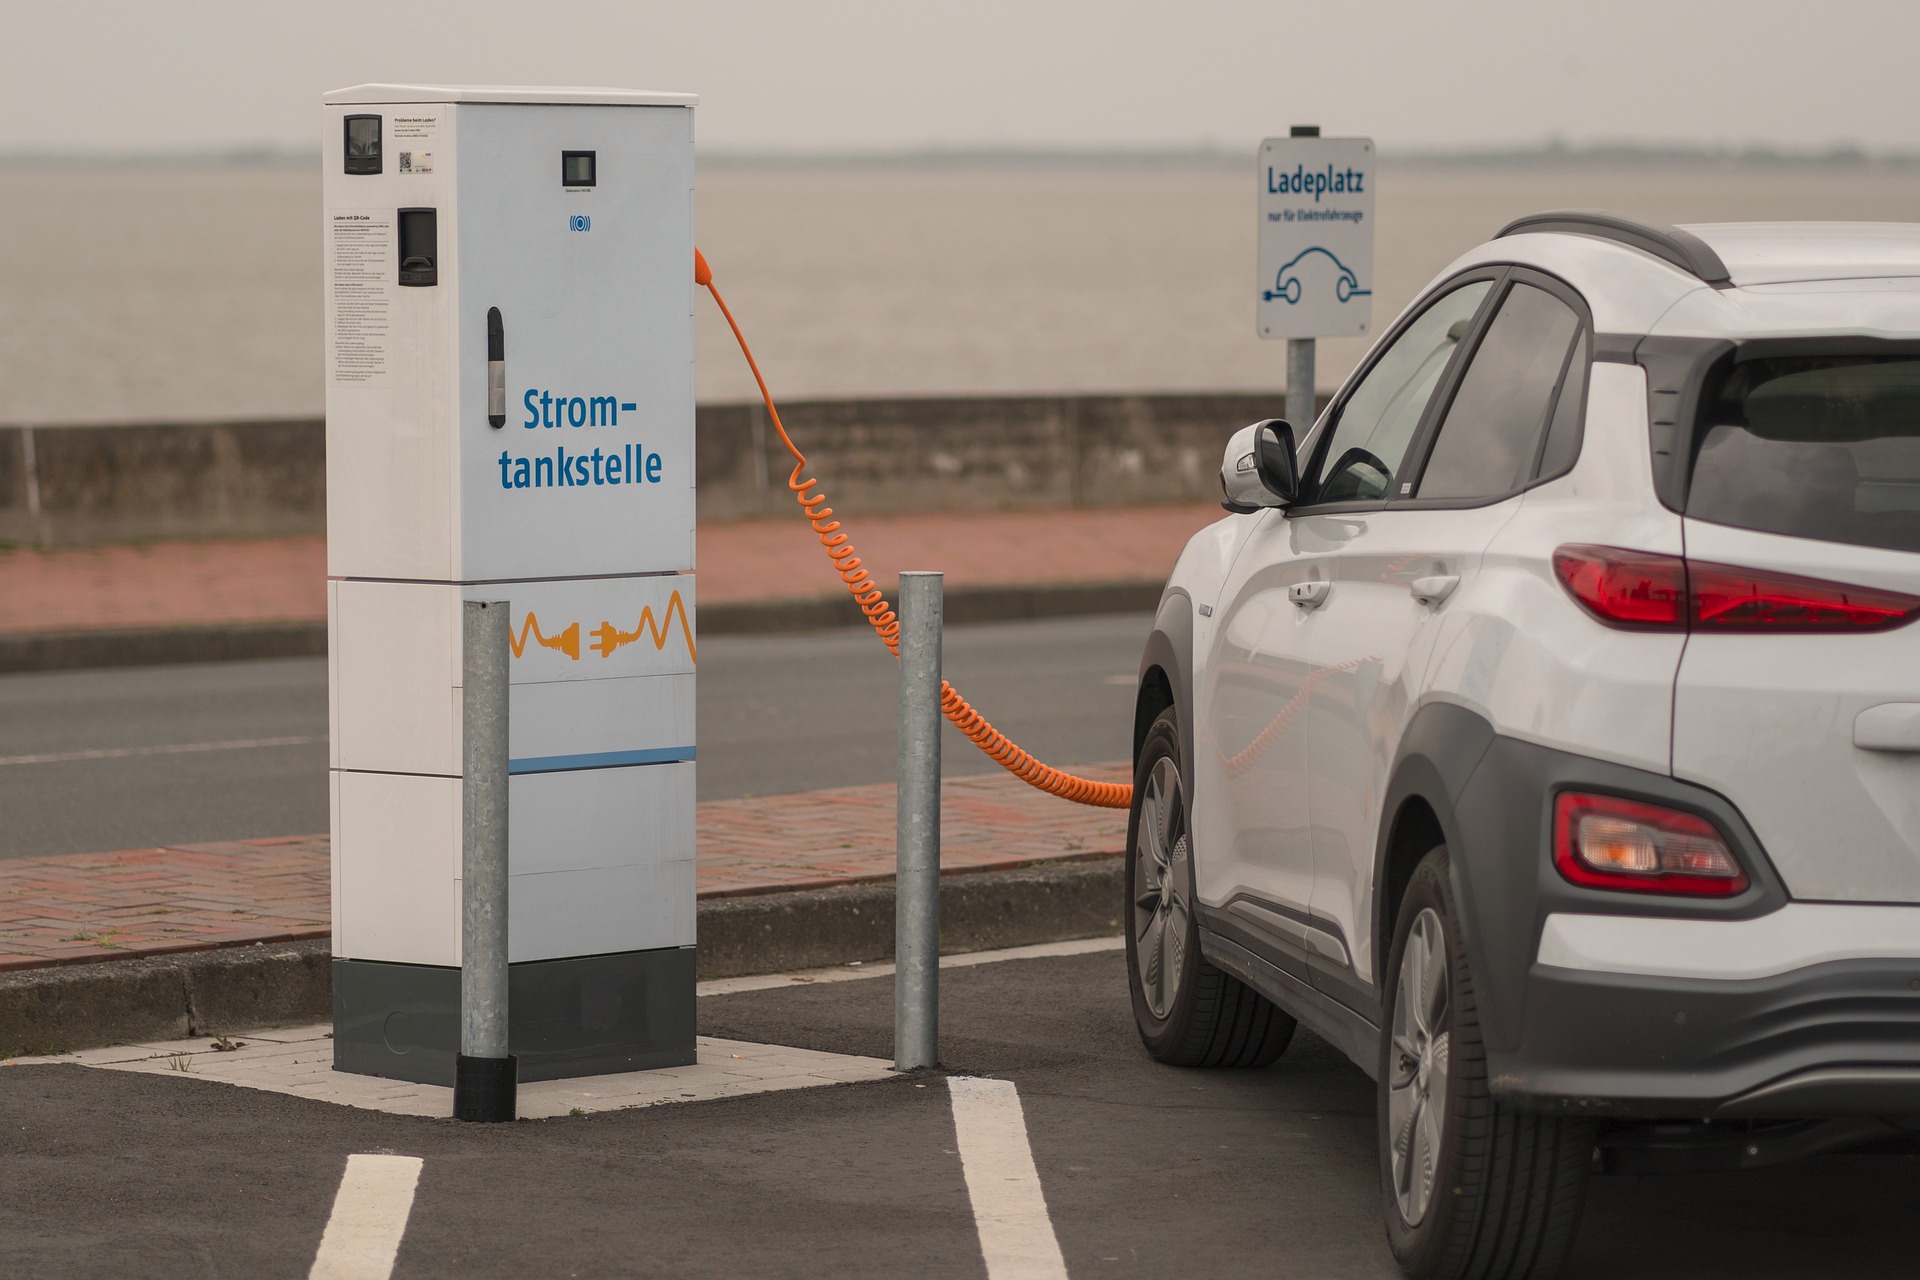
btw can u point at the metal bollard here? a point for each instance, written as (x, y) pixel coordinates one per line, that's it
(485, 1075)
(916, 929)
(1300, 394)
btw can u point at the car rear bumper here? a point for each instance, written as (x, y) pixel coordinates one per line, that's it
(1839, 1038)
(1647, 1005)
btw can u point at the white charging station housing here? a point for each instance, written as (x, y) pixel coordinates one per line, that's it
(509, 382)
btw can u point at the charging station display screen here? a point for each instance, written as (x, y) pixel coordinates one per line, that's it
(363, 144)
(576, 168)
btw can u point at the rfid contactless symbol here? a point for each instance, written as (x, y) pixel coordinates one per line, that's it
(1287, 285)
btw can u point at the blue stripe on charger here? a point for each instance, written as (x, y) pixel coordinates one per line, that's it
(600, 760)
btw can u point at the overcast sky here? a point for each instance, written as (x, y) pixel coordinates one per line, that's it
(858, 75)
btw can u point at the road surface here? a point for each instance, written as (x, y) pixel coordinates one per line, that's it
(92, 761)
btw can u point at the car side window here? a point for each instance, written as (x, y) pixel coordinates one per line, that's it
(1491, 437)
(1376, 424)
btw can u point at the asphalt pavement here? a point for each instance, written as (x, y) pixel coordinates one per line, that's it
(1147, 1171)
(797, 713)
(131, 757)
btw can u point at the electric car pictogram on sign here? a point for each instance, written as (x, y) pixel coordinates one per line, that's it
(1320, 266)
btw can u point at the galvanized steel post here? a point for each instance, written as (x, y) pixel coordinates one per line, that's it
(1300, 401)
(1300, 351)
(485, 1074)
(916, 935)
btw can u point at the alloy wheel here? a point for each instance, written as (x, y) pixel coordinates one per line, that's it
(1160, 907)
(1418, 1067)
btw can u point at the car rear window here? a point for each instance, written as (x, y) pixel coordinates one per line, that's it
(1824, 447)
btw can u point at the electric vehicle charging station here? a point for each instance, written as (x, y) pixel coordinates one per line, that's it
(509, 329)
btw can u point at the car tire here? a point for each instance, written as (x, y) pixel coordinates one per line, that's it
(1189, 1013)
(1473, 1188)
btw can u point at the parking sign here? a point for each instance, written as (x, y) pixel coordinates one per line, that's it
(1316, 237)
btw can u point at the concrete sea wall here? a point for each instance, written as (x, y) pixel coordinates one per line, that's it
(81, 486)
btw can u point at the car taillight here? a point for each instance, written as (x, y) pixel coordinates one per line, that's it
(1635, 589)
(1642, 590)
(1605, 842)
(1730, 599)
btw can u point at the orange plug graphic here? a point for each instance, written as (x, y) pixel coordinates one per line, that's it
(567, 642)
(607, 637)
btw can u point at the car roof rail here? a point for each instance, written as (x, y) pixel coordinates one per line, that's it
(1683, 249)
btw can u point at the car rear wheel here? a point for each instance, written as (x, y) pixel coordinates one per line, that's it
(1190, 1014)
(1473, 1189)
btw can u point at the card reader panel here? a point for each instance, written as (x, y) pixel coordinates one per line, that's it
(419, 246)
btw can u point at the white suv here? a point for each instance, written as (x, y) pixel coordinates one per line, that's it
(1544, 731)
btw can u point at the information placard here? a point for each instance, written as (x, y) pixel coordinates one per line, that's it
(1316, 237)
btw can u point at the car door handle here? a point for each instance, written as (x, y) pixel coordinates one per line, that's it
(1433, 589)
(1891, 726)
(1309, 595)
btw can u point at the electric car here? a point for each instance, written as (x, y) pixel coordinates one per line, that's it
(1543, 730)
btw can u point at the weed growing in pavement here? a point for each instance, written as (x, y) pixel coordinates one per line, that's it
(577, 1111)
(180, 1062)
(223, 1045)
(78, 936)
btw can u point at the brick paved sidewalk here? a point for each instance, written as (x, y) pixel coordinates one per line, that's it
(87, 907)
(211, 582)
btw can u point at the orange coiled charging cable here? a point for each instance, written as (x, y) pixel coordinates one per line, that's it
(886, 624)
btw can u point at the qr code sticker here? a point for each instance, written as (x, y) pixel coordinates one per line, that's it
(416, 162)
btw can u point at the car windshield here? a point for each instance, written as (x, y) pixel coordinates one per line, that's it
(1824, 447)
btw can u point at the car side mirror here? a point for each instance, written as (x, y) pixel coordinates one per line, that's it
(1259, 469)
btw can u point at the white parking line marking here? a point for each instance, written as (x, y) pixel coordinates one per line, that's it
(1009, 1211)
(963, 960)
(369, 1217)
(171, 749)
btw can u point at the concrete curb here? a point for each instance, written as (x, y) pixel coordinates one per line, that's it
(153, 646)
(195, 993)
(979, 911)
(86, 1006)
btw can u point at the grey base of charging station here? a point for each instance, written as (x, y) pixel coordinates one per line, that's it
(582, 1016)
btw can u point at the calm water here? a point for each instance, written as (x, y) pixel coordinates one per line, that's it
(142, 294)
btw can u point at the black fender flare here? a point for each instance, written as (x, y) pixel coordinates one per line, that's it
(1170, 648)
(1443, 745)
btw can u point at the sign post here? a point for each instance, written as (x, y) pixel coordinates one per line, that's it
(1316, 250)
